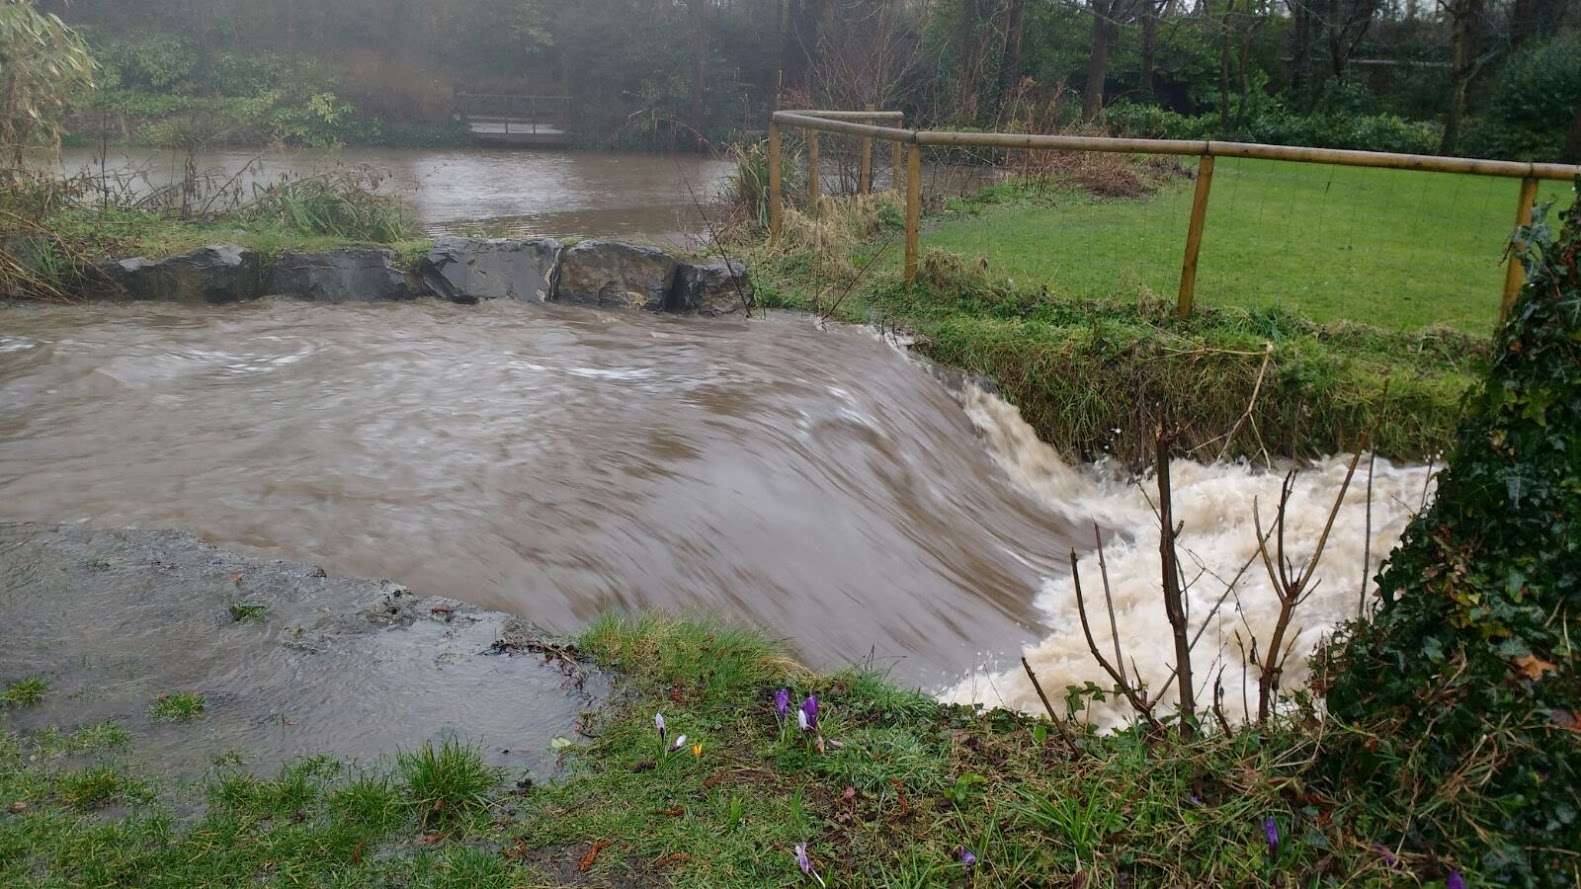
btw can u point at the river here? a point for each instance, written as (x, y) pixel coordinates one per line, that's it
(465, 191)
(558, 463)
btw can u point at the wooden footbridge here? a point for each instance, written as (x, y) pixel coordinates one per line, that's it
(514, 121)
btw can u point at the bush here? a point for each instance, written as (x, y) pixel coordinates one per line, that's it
(1466, 682)
(1276, 126)
(1533, 104)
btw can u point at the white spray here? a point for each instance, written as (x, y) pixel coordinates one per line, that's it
(1219, 538)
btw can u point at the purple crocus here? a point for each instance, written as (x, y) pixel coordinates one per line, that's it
(782, 703)
(1455, 880)
(805, 863)
(1388, 856)
(1271, 833)
(809, 714)
(967, 858)
(658, 723)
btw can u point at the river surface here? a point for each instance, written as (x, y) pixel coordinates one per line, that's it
(557, 463)
(466, 191)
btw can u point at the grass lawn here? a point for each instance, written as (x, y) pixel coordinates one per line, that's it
(1400, 250)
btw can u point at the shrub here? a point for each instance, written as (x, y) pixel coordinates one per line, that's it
(1533, 104)
(1467, 680)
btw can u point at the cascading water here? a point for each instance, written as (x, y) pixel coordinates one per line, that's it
(559, 463)
(1231, 599)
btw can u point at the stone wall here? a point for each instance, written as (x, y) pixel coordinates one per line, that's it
(465, 270)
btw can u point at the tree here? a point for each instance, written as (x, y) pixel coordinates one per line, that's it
(43, 67)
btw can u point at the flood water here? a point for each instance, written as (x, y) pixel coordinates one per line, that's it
(468, 191)
(559, 463)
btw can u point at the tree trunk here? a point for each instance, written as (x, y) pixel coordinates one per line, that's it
(1010, 62)
(1301, 43)
(1150, 11)
(1098, 62)
(1465, 15)
(1224, 69)
(1572, 150)
(699, 68)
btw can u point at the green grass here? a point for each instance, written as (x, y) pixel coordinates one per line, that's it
(245, 613)
(909, 785)
(1399, 250)
(25, 692)
(445, 784)
(181, 706)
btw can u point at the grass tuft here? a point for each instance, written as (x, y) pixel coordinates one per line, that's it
(181, 706)
(25, 692)
(445, 784)
(248, 613)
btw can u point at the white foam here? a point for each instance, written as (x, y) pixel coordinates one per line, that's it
(1215, 503)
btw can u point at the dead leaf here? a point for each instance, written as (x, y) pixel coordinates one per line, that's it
(673, 813)
(237, 578)
(672, 858)
(356, 853)
(586, 864)
(1534, 668)
(516, 851)
(432, 839)
(18, 808)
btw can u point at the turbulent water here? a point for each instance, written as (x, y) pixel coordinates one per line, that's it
(560, 463)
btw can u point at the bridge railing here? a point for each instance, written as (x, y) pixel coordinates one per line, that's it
(854, 123)
(529, 112)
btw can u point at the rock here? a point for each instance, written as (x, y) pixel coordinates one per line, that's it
(608, 273)
(716, 288)
(339, 276)
(467, 270)
(220, 273)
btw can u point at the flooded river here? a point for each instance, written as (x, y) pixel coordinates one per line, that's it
(558, 463)
(466, 191)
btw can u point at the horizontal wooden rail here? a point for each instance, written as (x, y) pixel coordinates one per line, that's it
(827, 122)
(849, 123)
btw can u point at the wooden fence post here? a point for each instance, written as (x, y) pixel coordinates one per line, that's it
(776, 196)
(1199, 215)
(864, 182)
(812, 173)
(913, 209)
(1515, 276)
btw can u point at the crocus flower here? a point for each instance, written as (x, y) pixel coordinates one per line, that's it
(801, 721)
(809, 709)
(782, 703)
(658, 723)
(1271, 833)
(1389, 859)
(805, 863)
(680, 741)
(697, 750)
(1455, 880)
(966, 856)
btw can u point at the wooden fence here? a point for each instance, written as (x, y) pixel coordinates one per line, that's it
(859, 124)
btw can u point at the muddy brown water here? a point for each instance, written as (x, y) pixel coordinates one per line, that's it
(466, 191)
(548, 462)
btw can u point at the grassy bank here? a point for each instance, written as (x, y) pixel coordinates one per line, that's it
(899, 789)
(1094, 374)
(54, 231)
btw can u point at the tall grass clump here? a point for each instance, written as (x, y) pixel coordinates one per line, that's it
(1467, 680)
(342, 204)
(445, 784)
